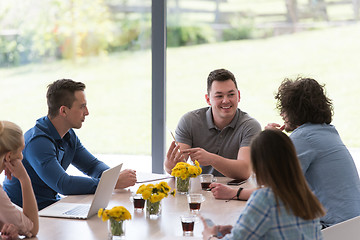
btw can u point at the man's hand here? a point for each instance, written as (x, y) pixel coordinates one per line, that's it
(275, 126)
(9, 231)
(174, 156)
(222, 191)
(199, 154)
(126, 179)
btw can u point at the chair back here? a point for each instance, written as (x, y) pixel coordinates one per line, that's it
(347, 230)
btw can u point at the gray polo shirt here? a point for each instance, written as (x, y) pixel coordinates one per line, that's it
(197, 129)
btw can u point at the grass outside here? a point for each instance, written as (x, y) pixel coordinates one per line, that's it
(119, 86)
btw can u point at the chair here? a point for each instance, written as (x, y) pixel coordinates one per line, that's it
(347, 230)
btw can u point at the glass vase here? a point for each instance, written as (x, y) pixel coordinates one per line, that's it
(153, 210)
(116, 229)
(182, 185)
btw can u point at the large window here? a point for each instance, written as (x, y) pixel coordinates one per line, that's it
(106, 45)
(317, 39)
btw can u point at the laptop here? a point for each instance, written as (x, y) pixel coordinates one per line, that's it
(84, 211)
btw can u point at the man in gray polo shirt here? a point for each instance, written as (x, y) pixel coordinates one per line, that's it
(218, 137)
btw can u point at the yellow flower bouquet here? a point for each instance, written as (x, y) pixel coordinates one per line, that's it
(117, 216)
(153, 194)
(183, 172)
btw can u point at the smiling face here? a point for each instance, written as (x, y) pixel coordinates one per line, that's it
(75, 115)
(223, 97)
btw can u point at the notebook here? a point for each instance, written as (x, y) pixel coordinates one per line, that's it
(84, 211)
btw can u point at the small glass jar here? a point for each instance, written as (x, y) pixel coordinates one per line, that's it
(116, 229)
(153, 210)
(182, 185)
(138, 201)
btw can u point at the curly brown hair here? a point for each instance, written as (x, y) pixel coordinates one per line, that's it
(304, 100)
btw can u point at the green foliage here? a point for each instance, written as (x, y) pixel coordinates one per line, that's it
(9, 54)
(241, 28)
(131, 34)
(59, 29)
(83, 28)
(237, 34)
(43, 29)
(188, 35)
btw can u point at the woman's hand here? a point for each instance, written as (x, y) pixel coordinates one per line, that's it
(208, 231)
(224, 229)
(9, 231)
(222, 191)
(217, 230)
(15, 168)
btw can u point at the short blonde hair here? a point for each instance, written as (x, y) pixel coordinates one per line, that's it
(11, 137)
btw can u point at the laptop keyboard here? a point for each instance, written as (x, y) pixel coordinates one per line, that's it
(79, 210)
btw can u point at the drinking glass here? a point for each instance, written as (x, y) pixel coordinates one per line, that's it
(187, 223)
(206, 180)
(195, 200)
(138, 201)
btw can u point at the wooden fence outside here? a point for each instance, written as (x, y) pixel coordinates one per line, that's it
(295, 15)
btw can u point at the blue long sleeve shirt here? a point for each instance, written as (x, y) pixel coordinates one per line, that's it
(46, 158)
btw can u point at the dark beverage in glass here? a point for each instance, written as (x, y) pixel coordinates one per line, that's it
(194, 206)
(187, 226)
(205, 185)
(139, 203)
(187, 223)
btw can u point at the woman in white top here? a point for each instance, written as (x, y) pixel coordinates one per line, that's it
(14, 222)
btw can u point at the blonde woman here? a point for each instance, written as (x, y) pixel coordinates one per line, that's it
(14, 222)
(283, 207)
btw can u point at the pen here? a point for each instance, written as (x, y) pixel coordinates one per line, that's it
(173, 137)
(176, 143)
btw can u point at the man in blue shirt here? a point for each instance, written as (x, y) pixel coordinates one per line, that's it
(52, 145)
